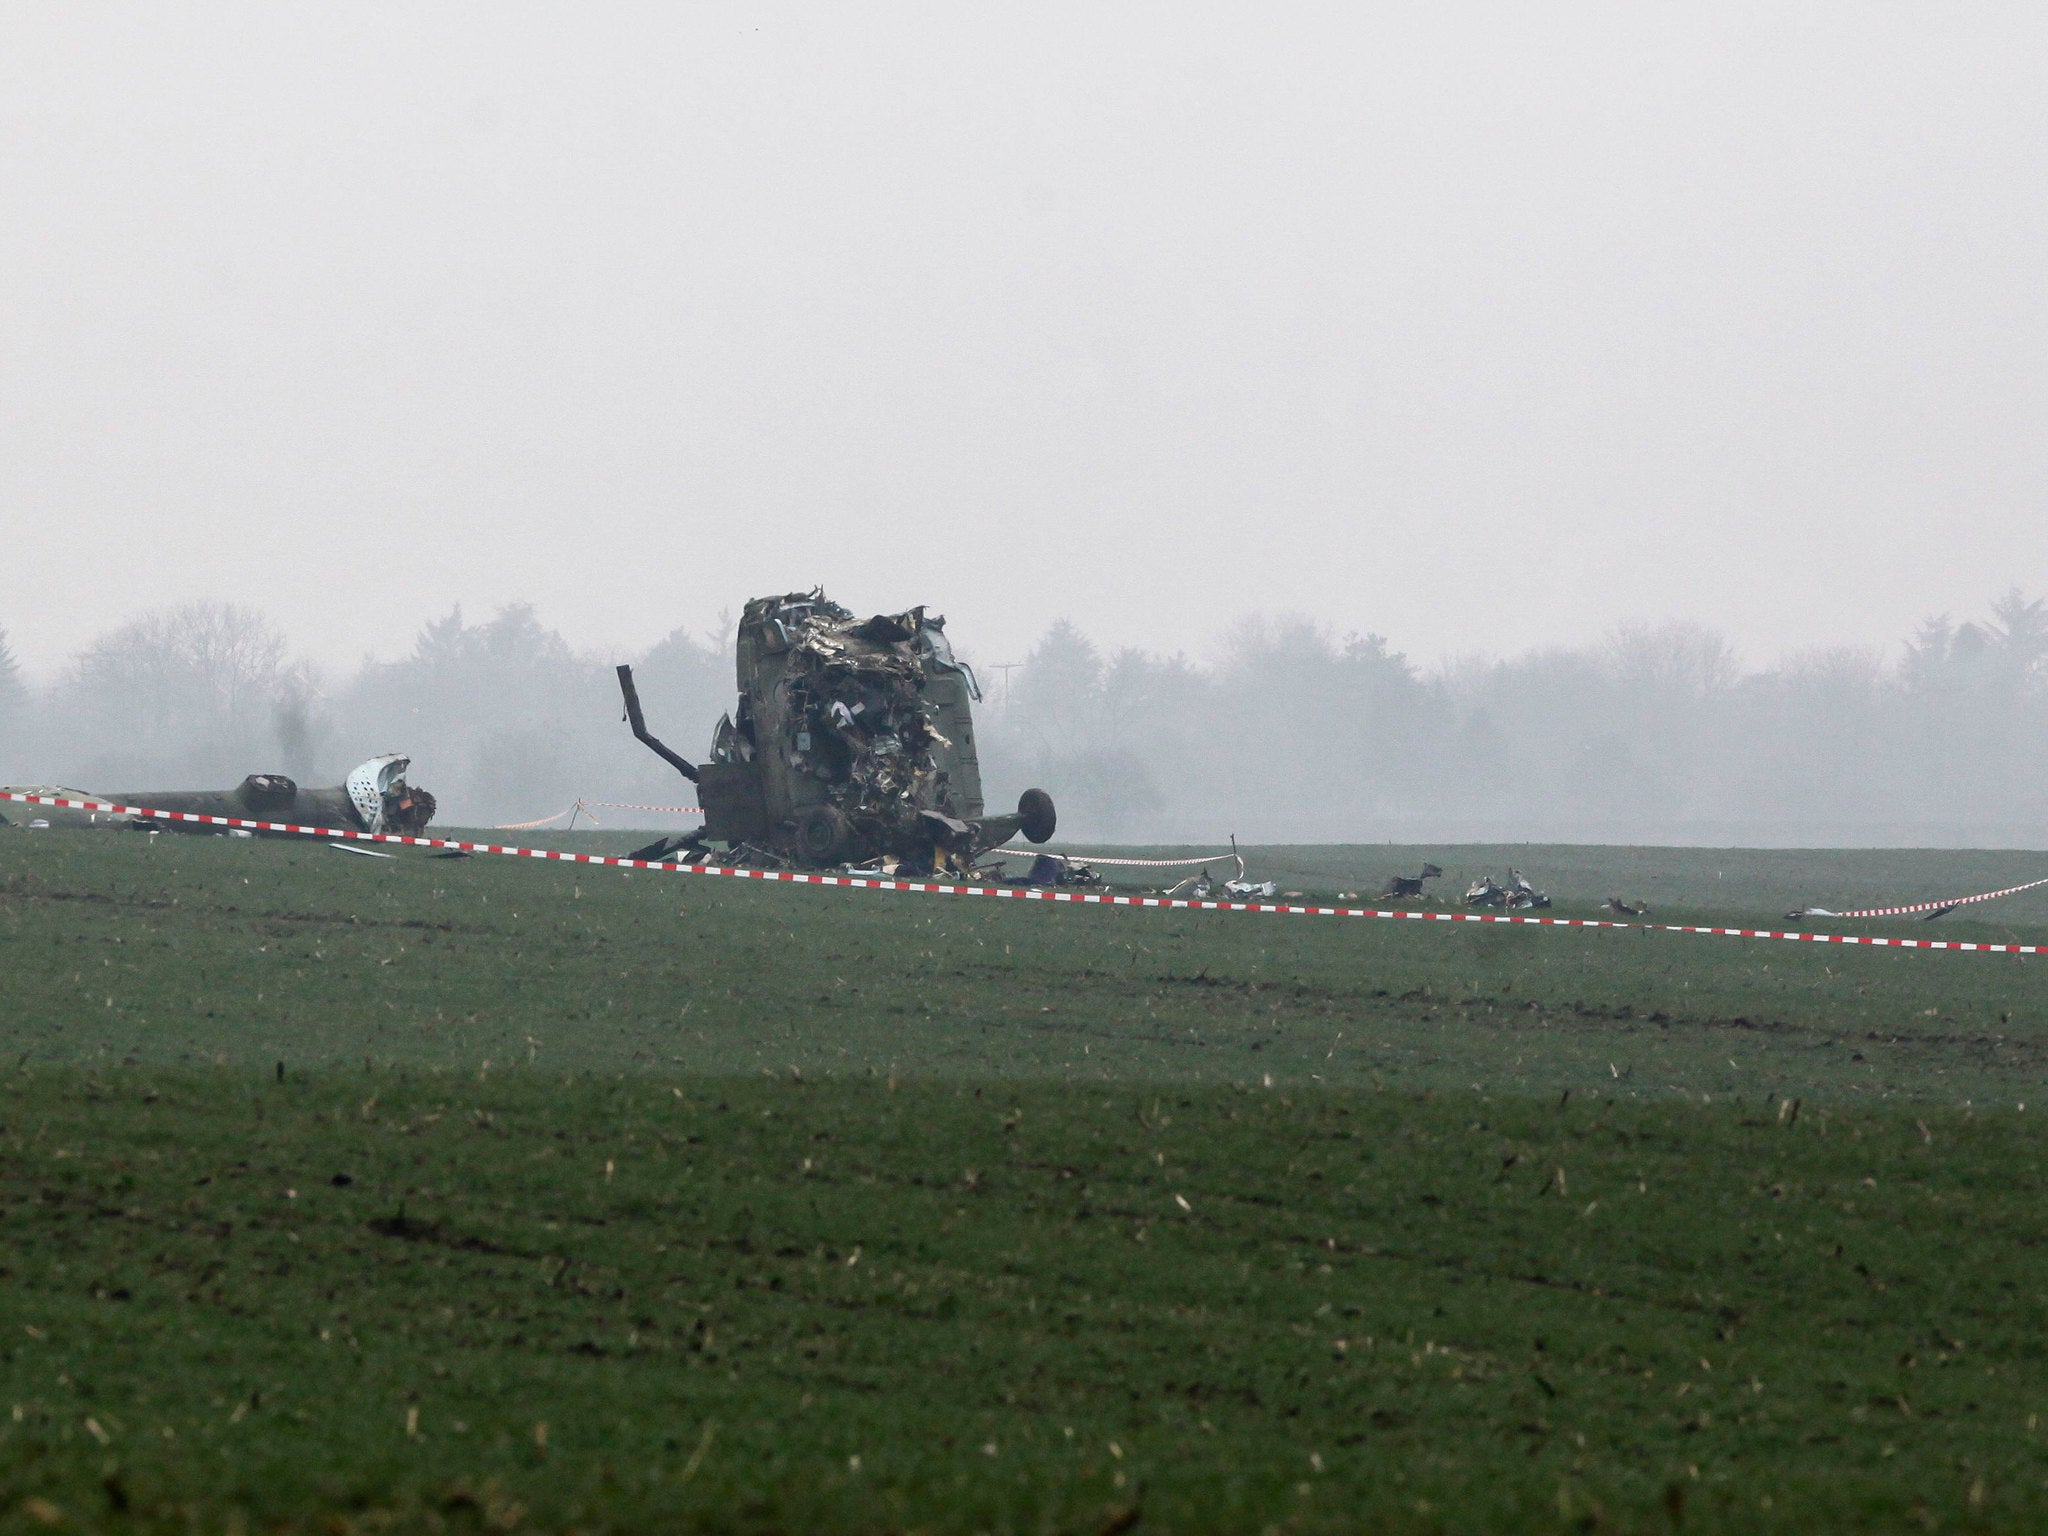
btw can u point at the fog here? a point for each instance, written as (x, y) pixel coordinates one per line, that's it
(1515, 335)
(1284, 731)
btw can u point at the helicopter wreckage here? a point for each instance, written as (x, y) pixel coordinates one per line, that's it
(374, 798)
(1513, 893)
(852, 743)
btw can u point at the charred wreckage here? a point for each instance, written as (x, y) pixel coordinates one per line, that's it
(852, 743)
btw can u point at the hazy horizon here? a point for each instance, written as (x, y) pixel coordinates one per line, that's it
(1205, 648)
(1287, 732)
(1478, 328)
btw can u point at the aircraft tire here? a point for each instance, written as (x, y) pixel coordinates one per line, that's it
(1034, 810)
(822, 834)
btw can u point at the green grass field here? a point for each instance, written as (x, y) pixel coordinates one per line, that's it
(351, 1194)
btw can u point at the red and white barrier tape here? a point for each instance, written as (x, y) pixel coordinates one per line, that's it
(1015, 892)
(1943, 906)
(1090, 858)
(528, 826)
(585, 807)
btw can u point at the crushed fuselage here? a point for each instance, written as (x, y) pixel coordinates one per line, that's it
(853, 740)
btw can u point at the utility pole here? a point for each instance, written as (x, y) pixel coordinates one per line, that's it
(1006, 668)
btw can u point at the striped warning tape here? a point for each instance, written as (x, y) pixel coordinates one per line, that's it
(1096, 858)
(1015, 892)
(528, 826)
(1936, 906)
(585, 807)
(580, 808)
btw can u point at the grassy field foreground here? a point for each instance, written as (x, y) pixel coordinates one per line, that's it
(350, 1194)
(182, 951)
(530, 1300)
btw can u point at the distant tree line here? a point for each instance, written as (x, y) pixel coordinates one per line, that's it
(503, 719)
(1656, 734)
(1289, 733)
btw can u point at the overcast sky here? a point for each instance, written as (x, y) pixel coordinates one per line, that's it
(1474, 326)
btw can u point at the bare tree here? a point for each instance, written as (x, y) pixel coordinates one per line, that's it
(13, 691)
(303, 728)
(192, 691)
(1679, 659)
(502, 719)
(17, 744)
(2019, 634)
(1059, 696)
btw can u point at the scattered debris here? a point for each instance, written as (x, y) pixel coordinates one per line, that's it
(1404, 887)
(1203, 886)
(367, 853)
(1627, 908)
(1512, 892)
(1047, 869)
(853, 742)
